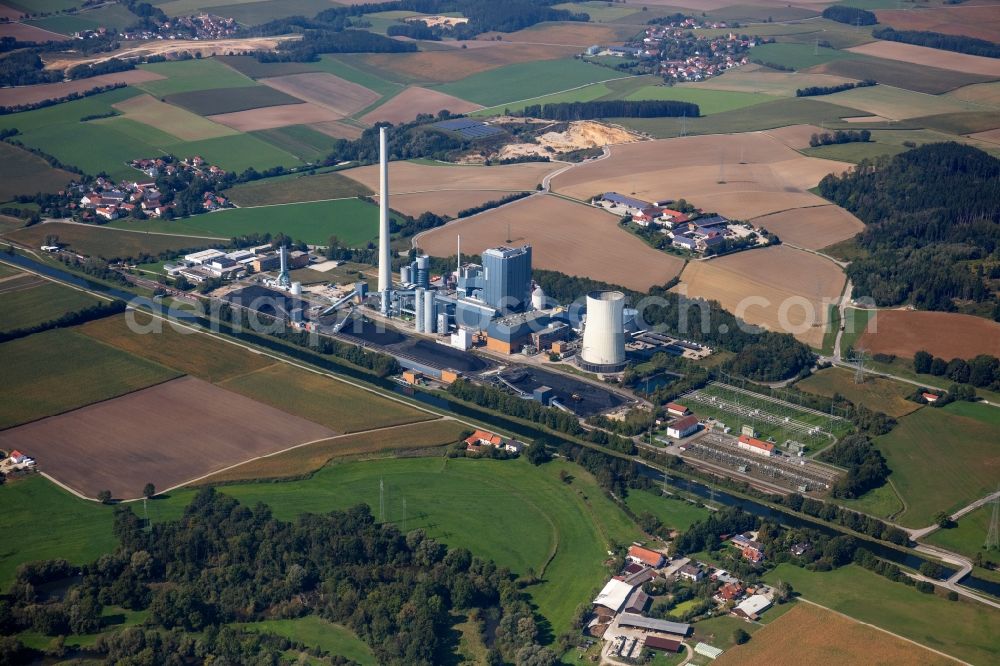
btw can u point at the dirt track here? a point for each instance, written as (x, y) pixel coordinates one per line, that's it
(167, 435)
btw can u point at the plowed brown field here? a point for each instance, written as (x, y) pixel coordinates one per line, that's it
(444, 203)
(455, 64)
(811, 634)
(406, 105)
(31, 94)
(568, 237)
(813, 228)
(944, 334)
(339, 95)
(921, 55)
(778, 288)
(167, 435)
(982, 21)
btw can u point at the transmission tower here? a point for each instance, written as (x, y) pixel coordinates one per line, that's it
(858, 359)
(993, 535)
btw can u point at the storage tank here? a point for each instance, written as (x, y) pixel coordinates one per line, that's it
(538, 299)
(406, 275)
(422, 275)
(418, 310)
(296, 289)
(430, 313)
(603, 347)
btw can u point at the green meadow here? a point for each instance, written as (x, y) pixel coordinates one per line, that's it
(522, 81)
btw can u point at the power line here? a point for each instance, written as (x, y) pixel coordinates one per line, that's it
(993, 535)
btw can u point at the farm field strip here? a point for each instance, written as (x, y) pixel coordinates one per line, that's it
(945, 334)
(106, 241)
(173, 120)
(36, 93)
(922, 55)
(878, 393)
(326, 90)
(39, 302)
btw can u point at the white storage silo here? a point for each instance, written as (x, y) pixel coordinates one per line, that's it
(538, 299)
(430, 313)
(603, 347)
(418, 310)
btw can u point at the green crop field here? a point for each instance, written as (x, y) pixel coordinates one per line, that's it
(516, 514)
(24, 173)
(296, 188)
(302, 141)
(237, 153)
(42, 6)
(837, 35)
(73, 143)
(255, 13)
(39, 304)
(200, 355)
(105, 242)
(585, 94)
(339, 406)
(353, 221)
(512, 83)
(855, 152)
(315, 632)
(599, 11)
(304, 460)
(883, 395)
(770, 115)
(250, 66)
(187, 75)
(761, 13)
(76, 530)
(356, 71)
(882, 502)
(906, 75)
(709, 102)
(942, 459)
(960, 123)
(56, 371)
(673, 512)
(107, 16)
(229, 100)
(797, 56)
(969, 536)
(964, 629)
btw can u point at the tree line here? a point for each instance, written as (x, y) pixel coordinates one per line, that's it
(938, 40)
(840, 136)
(983, 371)
(866, 467)
(850, 15)
(813, 91)
(649, 108)
(223, 563)
(931, 224)
(75, 318)
(316, 42)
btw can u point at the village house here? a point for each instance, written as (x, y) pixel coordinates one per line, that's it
(640, 555)
(691, 573)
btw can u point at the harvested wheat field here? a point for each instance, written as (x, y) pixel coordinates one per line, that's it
(568, 34)
(922, 55)
(807, 630)
(275, 116)
(778, 288)
(448, 202)
(759, 174)
(794, 136)
(989, 136)
(899, 104)
(168, 434)
(455, 64)
(171, 119)
(568, 237)
(405, 106)
(980, 21)
(406, 177)
(37, 93)
(339, 95)
(979, 93)
(944, 334)
(813, 228)
(338, 130)
(9, 13)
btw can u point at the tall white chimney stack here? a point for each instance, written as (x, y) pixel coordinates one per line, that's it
(384, 260)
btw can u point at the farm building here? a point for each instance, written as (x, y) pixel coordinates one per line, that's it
(633, 621)
(614, 595)
(752, 607)
(756, 446)
(677, 409)
(682, 427)
(637, 601)
(664, 644)
(707, 650)
(930, 397)
(615, 200)
(729, 592)
(641, 555)
(479, 440)
(691, 573)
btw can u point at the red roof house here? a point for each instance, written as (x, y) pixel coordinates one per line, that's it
(641, 555)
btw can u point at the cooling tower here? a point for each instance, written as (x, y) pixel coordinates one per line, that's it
(604, 333)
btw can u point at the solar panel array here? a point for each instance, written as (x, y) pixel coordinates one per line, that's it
(469, 128)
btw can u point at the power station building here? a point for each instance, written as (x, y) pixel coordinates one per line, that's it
(603, 349)
(507, 278)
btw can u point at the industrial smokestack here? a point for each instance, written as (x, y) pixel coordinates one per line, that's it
(384, 261)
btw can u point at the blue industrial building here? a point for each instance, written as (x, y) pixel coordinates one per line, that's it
(507, 278)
